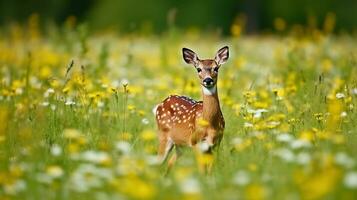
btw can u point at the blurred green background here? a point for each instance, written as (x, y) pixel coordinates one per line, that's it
(158, 15)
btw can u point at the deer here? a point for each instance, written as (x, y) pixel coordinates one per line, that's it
(180, 118)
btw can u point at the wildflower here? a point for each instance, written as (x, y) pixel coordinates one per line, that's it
(344, 160)
(71, 133)
(88, 176)
(340, 95)
(350, 180)
(303, 158)
(69, 102)
(257, 113)
(241, 178)
(299, 143)
(285, 154)
(285, 137)
(54, 171)
(56, 150)
(145, 121)
(123, 147)
(48, 92)
(148, 135)
(354, 91)
(190, 186)
(255, 191)
(202, 122)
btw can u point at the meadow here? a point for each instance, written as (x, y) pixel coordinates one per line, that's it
(76, 117)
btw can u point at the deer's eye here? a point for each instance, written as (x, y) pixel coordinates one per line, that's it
(199, 70)
(215, 69)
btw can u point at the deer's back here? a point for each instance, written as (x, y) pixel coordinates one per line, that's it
(177, 115)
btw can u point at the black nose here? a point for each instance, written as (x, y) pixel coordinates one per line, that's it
(208, 81)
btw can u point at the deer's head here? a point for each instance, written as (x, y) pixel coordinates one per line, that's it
(207, 69)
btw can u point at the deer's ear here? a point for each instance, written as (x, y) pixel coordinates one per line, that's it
(189, 56)
(222, 55)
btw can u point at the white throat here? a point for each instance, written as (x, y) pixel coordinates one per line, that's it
(209, 91)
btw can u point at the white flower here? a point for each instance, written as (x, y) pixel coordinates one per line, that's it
(14, 187)
(45, 104)
(297, 144)
(285, 137)
(247, 124)
(124, 82)
(145, 121)
(56, 150)
(53, 107)
(340, 95)
(190, 186)
(152, 160)
(48, 92)
(100, 104)
(123, 147)
(343, 114)
(94, 156)
(54, 171)
(241, 178)
(354, 91)
(88, 176)
(19, 91)
(237, 140)
(257, 113)
(350, 180)
(285, 154)
(303, 158)
(69, 102)
(343, 159)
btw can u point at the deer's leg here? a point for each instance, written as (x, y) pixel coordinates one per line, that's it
(174, 157)
(165, 147)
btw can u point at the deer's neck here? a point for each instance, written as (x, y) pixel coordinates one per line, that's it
(211, 107)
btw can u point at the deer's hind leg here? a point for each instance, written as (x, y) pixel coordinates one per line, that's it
(165, 146)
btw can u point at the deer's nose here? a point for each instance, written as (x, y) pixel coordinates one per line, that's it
(208, 81)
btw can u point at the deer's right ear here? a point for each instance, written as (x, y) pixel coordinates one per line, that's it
(189, 56)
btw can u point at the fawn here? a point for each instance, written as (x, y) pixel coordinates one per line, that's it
(179, 118)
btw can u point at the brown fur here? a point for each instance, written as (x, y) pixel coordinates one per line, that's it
(179, 118)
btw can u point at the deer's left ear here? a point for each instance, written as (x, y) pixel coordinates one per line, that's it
(222, 55)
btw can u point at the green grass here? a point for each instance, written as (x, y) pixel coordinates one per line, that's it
(50, 149)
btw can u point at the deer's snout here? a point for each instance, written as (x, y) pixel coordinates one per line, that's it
(208, 82)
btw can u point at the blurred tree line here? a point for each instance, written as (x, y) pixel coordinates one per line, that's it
(159, 15)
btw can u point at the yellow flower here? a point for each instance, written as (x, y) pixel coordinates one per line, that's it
(202, 122)
(124, 136)
(318, 184)
(71, 133)
(54, 171)
(307, 136)
(148, 135)
(136, 188)
(255, 192)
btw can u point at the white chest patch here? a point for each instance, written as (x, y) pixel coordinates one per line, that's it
(209, 91)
